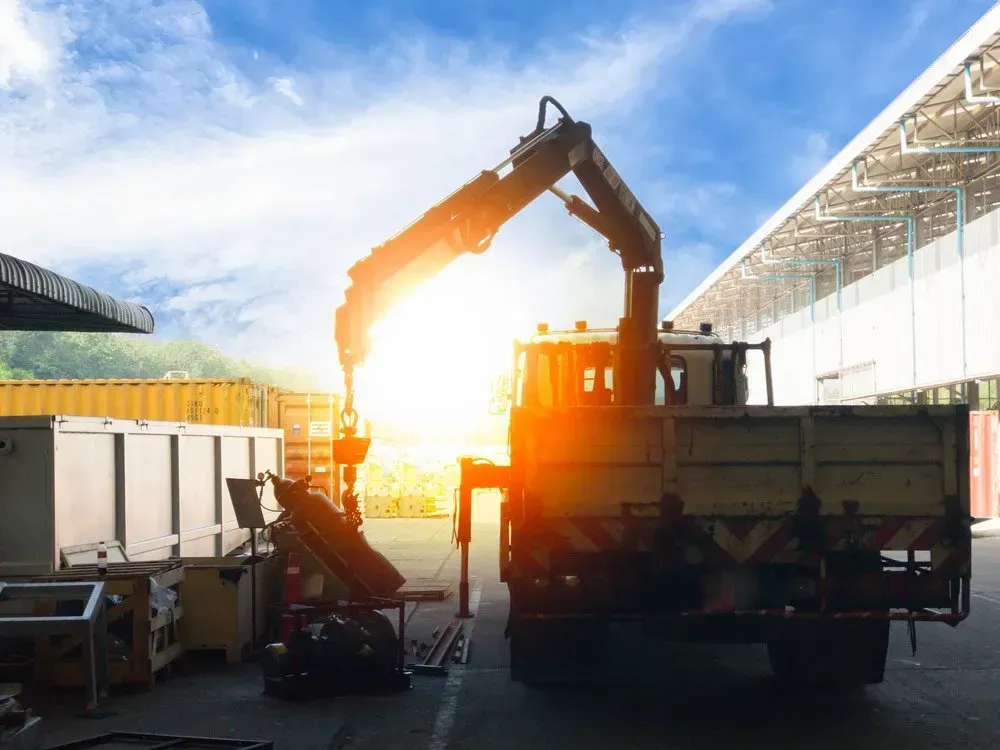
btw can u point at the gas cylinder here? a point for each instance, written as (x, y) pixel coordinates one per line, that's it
(323, 529)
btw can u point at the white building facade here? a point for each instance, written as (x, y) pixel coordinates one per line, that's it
(879, 280)
(935, 340)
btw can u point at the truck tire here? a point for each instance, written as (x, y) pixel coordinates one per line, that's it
(829, 653)
(558, 652)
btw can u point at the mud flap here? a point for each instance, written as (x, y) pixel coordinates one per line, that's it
(558, 651)
(829, 653)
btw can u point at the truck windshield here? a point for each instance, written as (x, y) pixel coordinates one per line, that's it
(562, 374)
(673, 393)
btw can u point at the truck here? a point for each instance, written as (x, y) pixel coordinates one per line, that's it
(643, 485)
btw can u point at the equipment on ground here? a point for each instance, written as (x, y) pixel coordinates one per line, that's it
(336, 648)
(448, 644)
(152, 741)
(20, 729)
(642, 486)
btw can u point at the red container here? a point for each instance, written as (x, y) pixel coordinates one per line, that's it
(984, 463)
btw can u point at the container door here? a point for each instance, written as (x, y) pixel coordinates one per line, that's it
(310, 422)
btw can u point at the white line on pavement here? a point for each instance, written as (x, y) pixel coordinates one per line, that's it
(985, 597)
(445, 720)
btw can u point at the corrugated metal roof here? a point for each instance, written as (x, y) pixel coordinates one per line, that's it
(948, 67)
(36, 299)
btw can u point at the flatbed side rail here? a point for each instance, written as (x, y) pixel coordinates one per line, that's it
(951, 618)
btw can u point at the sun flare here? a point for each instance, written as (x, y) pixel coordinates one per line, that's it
(434, 356)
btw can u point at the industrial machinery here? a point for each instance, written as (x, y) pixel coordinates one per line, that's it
(642, 486)
(337, 644)
(337, 647)
(327, 532)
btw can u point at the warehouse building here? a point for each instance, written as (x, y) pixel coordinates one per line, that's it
(879, 281)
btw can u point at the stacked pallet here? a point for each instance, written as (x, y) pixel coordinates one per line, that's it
(425, 590)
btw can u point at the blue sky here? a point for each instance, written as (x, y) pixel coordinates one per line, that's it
(224, 162)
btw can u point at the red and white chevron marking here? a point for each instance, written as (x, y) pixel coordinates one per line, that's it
(737, 540)
(890, 533)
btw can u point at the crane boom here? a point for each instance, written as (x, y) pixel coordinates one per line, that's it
(468, 219)
(466, 222)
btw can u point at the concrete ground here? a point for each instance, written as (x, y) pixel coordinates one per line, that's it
(681, 697)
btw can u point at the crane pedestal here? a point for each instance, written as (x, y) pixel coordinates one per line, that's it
(476, 474)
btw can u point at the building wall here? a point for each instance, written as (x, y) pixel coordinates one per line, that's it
(871, 342)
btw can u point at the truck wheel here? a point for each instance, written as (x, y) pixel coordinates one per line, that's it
(829, 653)
(554, 652)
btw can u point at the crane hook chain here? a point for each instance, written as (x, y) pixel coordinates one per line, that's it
(349, 415)
(349, 427)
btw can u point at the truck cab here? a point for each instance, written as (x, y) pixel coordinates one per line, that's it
(576, 367)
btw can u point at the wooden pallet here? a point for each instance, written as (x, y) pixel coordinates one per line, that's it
(155, 639)
(425, 590)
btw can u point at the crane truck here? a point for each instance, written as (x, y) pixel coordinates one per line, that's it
(643, 485)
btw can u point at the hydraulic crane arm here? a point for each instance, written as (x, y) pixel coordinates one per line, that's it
(468, 219)
(466, 222)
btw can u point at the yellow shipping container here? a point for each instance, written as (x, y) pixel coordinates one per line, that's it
(238, 401)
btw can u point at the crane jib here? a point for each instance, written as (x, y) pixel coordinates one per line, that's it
(468, 219)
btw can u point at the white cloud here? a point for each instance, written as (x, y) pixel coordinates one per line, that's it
(812, 156)
(708, 206)
(286, 86)
(176, 164)
(23, 52)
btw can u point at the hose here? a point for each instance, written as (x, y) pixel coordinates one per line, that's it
(542, 104)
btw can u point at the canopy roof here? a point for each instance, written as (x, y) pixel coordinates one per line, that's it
(36, 299)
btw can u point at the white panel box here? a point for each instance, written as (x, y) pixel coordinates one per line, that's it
(157, 487)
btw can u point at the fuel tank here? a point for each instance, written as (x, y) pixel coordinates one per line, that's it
(323, 529)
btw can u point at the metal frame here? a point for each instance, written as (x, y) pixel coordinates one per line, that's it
(157, 741)
(91, 626)
(929, 163)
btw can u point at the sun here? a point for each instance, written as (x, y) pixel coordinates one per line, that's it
(433, 357)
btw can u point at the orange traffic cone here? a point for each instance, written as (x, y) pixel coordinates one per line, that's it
(291, 593)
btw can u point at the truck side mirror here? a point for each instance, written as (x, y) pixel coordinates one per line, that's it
(500, 394)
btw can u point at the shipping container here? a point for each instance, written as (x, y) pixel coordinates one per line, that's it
(311, 422)
(984, 459)
(237, 401)
(158, 488)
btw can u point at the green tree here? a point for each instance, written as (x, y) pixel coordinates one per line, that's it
(60, 355)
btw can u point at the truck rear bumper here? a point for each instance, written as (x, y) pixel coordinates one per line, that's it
(915, 616)
(842, 586)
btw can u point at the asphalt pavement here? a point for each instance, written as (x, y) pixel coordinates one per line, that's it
(664, 695)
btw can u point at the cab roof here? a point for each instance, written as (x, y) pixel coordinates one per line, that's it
(610, 335)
